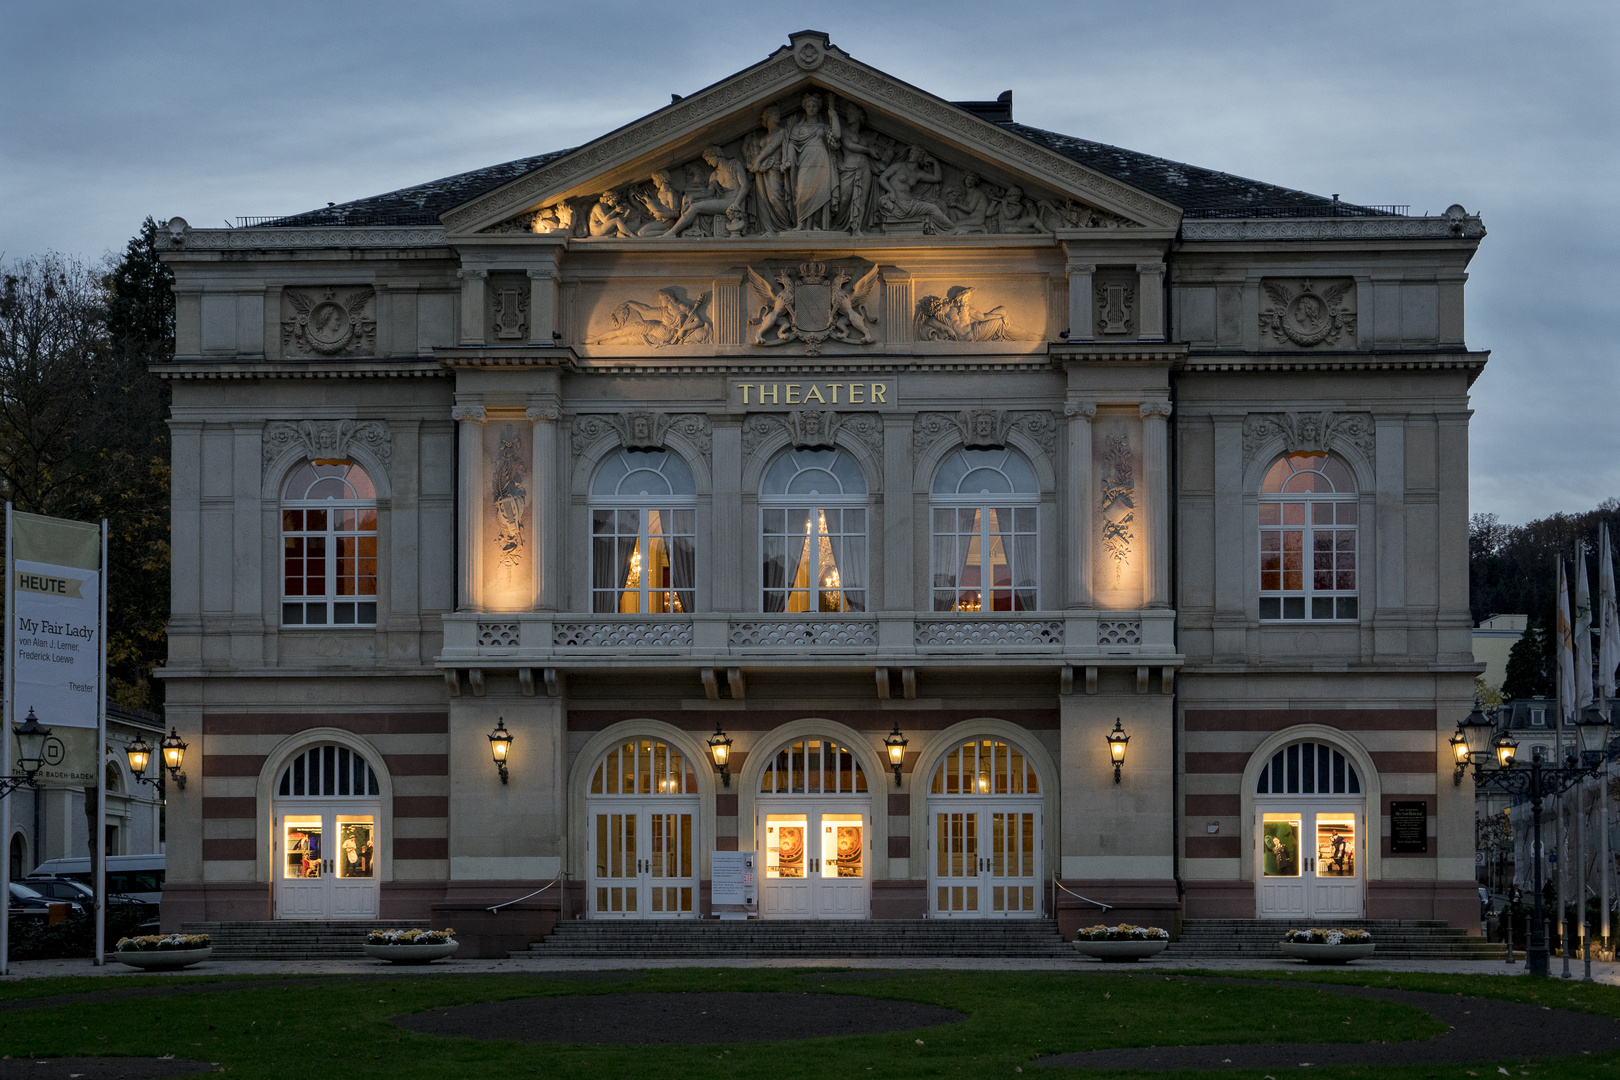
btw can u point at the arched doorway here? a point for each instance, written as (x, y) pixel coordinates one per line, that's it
(984, 809)
(814, 816)
(324, 841)
(1310, 818)
(641, 842)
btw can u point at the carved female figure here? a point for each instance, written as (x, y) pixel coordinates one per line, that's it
(810, 143)
(1014, 214)
(611, 217)
(766, 158)
(899, 201)
(970, 206)
(854, 194)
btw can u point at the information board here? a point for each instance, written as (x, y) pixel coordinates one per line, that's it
(732, 880)
(1408, 828)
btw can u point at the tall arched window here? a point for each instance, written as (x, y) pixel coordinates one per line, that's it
(986, 511)
(1308, 539)
(642, 556)
(813, 532)
(329, 546)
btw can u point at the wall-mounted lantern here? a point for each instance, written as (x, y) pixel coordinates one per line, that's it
(174, 755)
(720, 749)
(30, 754)
(500, 744)
(1116, 747)
(896, 743)
(139, 755)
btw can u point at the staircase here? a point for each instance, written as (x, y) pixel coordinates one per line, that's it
(1396, 939)
(289, 939)
(710, 939)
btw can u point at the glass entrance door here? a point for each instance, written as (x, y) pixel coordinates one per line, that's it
(1309, 863)
(985, 861)
(643, 862)
(816, 864)
(325, 863)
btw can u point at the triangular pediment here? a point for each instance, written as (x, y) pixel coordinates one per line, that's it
(896, 161)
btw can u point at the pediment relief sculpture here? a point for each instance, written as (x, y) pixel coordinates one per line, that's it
(812, 429)
(327, 439)
(983, 429)
(1309, 432)
(675, 318)
(814, 164)
(645, 429)
(333, 321)
(809, 307)
(954, 318)
(1306, 313)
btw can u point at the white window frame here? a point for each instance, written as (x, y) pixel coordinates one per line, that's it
(1344, 604)
(332, 602)
(816, 504)
(644, 504)
(982, 502)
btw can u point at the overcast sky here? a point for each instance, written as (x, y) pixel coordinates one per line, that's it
(211, 110)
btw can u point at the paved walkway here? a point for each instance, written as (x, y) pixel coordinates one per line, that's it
(40, 969)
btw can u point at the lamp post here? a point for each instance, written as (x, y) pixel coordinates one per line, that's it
(1536, 784)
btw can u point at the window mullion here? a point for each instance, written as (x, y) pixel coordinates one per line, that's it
(646, 558)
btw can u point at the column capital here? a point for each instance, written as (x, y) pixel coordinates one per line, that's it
(543, 412)
(1150, 268)
(1082, 268)
(1084, 409)
(465, 413)
(472, 275)
(1155, 408)
(542, 273)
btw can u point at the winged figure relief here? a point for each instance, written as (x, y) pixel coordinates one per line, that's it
(812, 309)
(849, 306)
(776, 308)
(1309, 315)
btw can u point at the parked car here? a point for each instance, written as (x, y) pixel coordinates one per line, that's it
(26, 899)
(138, 877)
(71, 891)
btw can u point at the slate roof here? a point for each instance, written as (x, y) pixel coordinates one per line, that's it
(1200, 193)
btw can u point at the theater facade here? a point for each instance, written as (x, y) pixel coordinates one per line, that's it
(1025, 523)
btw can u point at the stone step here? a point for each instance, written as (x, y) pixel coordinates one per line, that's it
(803, 939)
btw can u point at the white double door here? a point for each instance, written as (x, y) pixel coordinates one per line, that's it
(643, 855)
(816, 858)
(984, 859)
(324, 859)
(1310, 860)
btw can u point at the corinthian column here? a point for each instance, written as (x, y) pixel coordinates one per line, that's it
(1078, 577)
(547, 519)
(469, 514)
(1156, 499)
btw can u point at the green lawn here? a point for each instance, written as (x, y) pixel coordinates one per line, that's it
(334, 1028)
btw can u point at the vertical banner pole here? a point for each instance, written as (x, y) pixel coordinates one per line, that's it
(101, 769)
(5, 750)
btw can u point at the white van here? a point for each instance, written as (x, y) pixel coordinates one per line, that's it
(139, 877)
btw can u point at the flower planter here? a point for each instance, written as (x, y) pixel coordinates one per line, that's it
(162, 959)
(1120, 952)
(411, 954)
(1326, 954)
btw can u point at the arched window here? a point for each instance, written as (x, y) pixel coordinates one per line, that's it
(985, 767)
(329, 546)
(813, 766)
(1308, 539)
(643, 767)
(1308, 768)
(19, 856)
(986, 509)
(326, 771)
(813, 532)
(642, 557)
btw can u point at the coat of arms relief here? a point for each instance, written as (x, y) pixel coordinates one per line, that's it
(809, 307)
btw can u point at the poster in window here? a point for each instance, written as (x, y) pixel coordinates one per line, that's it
(357, 849)
(1335, 849)
(1280, 844)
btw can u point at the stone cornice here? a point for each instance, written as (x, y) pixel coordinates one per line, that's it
(1413, 360)
(1116, 352)
(347, 369)
(292, 239)
(507, 356)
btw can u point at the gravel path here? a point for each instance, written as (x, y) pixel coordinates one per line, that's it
(1482, 1029)
(696, 1019)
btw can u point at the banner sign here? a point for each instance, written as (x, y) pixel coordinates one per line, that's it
(55, 572)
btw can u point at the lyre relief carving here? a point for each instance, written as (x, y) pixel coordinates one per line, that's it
(1118, 504)
(1116, 308)
(511, 305)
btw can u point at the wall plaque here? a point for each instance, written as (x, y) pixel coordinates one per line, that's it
(1408, 828)
(782, 395)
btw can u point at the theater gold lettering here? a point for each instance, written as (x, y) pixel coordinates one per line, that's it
(815, 393)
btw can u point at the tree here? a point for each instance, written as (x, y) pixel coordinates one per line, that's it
(82, 431)
(1528, 674)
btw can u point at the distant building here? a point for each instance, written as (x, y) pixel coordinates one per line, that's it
(51, 823)
(1493, 640)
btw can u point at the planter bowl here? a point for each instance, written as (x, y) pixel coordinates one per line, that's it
(162, 959)
(1120, 952)
(1326, 954)
(412, 954)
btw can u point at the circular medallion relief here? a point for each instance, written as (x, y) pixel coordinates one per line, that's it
(329, 327)
(1307, 320)
(809, 55)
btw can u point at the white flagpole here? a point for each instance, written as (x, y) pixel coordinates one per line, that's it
(1608, 661)
(5, 752)
(100, 839)
(1566, 701)
(1583, 634)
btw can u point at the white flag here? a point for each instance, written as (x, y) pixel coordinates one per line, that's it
(1583, 633)
(1609, 619)
(1564, 636)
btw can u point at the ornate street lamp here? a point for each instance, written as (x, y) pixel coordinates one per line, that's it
(1472, 741)
(30, 754)
(139, 755)
(1116, 747)
(1506, 747)
(500, 744)
(896, 743)
(1592, 730)
(174, 755)
(720, 750)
